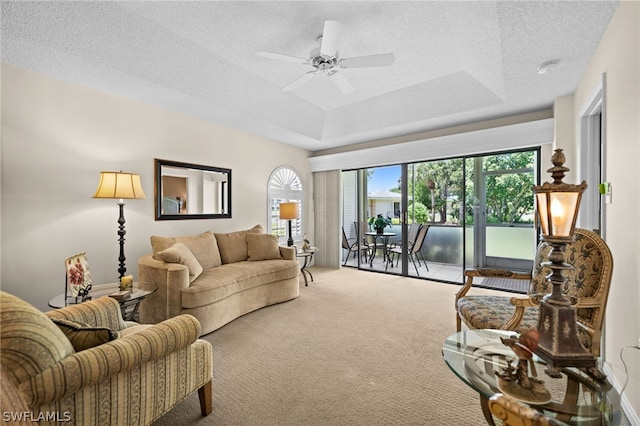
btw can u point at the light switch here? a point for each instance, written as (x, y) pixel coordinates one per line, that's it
(605, 189)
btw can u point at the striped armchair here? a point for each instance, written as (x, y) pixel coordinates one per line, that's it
(131, 380)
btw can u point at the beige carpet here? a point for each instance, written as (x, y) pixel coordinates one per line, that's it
(356, 348)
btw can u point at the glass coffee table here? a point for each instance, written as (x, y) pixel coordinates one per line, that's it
(476, 356)
(129, 305)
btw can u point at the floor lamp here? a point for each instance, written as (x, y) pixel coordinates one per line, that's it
(120, 185)
(289, 211)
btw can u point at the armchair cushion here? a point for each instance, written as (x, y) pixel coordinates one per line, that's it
(180, 253)
(203, 247)
(101, 312)
(485, 311)
(262, 247)
(83, 336)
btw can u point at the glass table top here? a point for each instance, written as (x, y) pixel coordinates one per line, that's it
(477, 356)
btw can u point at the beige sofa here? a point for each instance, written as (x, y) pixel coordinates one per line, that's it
(216, 277)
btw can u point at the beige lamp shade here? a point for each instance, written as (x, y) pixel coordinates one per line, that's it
(119, 185)
(289, 211)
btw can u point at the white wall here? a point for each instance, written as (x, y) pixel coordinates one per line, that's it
(618, 55)
(57, 137)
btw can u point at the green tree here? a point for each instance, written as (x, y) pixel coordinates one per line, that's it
(438, 184)
(509, 195)
(417, 212)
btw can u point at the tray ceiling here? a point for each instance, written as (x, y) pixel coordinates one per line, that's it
(456, 61)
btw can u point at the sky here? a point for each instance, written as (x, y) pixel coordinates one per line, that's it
(384, 178)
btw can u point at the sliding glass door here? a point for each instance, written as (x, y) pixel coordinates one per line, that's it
(503, 225)
(444, 215)
(370, 194)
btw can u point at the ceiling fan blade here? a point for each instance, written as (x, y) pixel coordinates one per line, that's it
(280, 57)
(299, 81)
(380, 60)
(330, 38)
(341, 82)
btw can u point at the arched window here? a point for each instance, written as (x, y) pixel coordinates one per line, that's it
(285, 186)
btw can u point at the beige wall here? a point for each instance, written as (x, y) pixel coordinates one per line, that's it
(618, 55)
(57, 137)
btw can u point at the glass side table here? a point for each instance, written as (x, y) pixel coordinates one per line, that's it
(307, 256)
(475, 356)
(128, 306)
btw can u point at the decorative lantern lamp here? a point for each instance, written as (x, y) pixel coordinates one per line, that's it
(557, 207)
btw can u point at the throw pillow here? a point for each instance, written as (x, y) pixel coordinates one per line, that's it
(233, 245)
(180, 253)
(262, 247)
(83, 336)
(203, 247)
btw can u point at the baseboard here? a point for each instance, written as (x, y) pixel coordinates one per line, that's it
(625, 405)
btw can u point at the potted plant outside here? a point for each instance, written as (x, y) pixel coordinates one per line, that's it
(379, 223)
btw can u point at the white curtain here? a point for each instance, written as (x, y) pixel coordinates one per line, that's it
(327, 221)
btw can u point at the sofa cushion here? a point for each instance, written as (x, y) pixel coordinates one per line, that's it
(203, 247)
(179, 253)
(262, 247)
(219, 283)
(83, 336)
(233, 245)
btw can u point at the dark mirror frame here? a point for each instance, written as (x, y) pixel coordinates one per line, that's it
(158, 193)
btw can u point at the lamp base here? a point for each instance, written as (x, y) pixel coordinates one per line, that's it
(559, 345)
(290, 240)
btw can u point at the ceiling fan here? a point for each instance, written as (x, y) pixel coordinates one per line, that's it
(325, 60)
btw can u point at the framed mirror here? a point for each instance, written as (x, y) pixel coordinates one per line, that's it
(191, 191)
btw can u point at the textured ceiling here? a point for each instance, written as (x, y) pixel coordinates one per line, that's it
(456, 61)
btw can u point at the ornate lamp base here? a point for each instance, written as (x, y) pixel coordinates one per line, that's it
(559, 345)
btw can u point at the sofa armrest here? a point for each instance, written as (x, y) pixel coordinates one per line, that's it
(288, 253)
(166, 280)
(101, 312)
(91, 366)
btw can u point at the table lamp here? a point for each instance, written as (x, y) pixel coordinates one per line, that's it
(289, 211)
(120, 185)
(557, 207)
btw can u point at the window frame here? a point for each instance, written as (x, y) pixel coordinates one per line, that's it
(285, 185)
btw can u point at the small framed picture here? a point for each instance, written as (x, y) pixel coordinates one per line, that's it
(78, 275)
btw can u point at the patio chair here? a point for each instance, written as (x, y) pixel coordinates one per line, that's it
(412, 234)
(356, 246)
(588, 285)
(413, 251)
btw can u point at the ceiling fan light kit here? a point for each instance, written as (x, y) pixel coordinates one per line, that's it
(324, 59)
